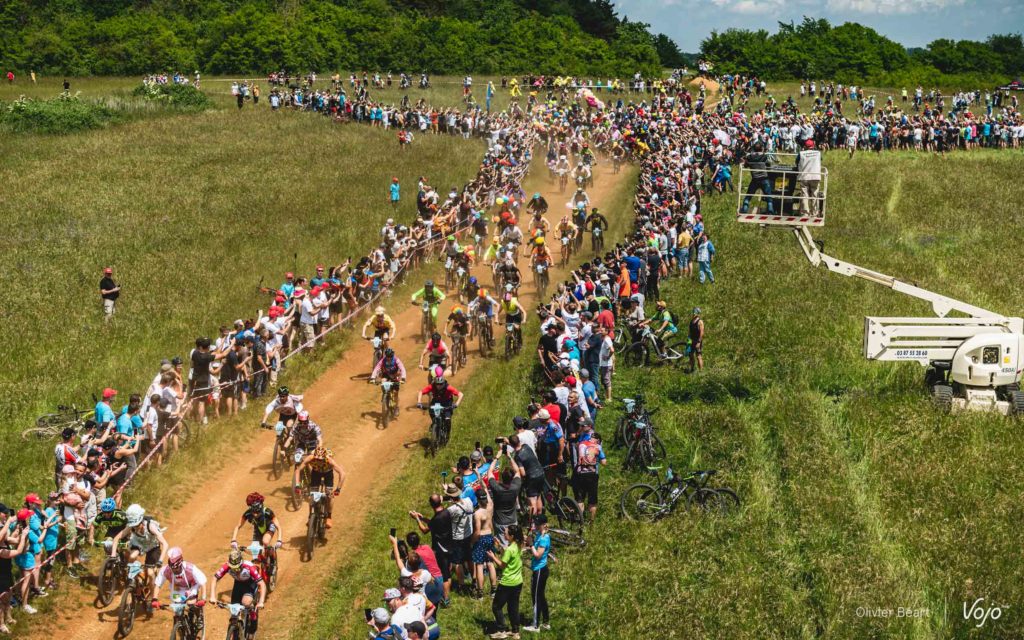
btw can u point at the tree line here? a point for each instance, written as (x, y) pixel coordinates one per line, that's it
(853, 53)
(127, 37)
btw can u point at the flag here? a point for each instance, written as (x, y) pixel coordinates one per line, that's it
(490, 92)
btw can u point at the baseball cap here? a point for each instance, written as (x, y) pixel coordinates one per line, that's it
(289, 274)
(391, 594)
(67, 469)
(540, 518)
(108, 271)
(4, 509)
(109, 393)
(544, 414)
(416, 626)
(571, 381)
(380, 615)
(519, 422)
(33, 499)
(476, 456)
(24, 514)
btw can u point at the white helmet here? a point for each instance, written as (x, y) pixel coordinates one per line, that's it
(134, 515)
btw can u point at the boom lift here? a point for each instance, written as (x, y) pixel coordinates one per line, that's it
(972, 361)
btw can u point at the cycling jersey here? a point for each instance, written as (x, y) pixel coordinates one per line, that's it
(248, 572)
(186, 583)
(434, 296)
(511, 307)
(437, 348)
(460, 324)
(115, 522)
(321, 465)
(443, 397)
(394, 370)
(306, 437)
(147, 540)
(261, 520)
(291, 406)
(380, 323)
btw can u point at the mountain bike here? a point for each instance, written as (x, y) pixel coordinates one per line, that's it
(449, 274)
(378, 350)
(541, 278)
(284, 450)
(388, 401)
(440, 425)
(513, 340)
(639, 352)
(563, 180)
(136, 595)
(645, 448)
(426, 322)
(188, 619)
(461, 279)
(458, 351)
(266, 559)
(567, 528)
(50, 425)
(316, 522)
(636, 416)
(240, 627)
(565, 250)
(650, 502)
(113, 576)
(484, 334)
(597, 239)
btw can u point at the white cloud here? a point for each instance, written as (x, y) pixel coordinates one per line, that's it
(889, 7)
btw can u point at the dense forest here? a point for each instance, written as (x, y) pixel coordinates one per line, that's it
(854, 53)
(120, 37)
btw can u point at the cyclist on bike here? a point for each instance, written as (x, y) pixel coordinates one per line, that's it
(435, 352)
(187, 583)
(306, 435)
(472, 286)
(112, 518)
(539, 226)
(514, 313)
(587, 156)
(389, 367)
(540, 253)
(596, 220)
(666, 325)
(145, 539)
(265, 525)
(510, 274)
(538, 206)
(563, 162)
(432, 296)
(566, 229)
(580, 197)
(440, 392)
(322, 467)
(249, 584)
(581, 174)
(482, 303)
(383, 326)
(458, 324)
(287, 406)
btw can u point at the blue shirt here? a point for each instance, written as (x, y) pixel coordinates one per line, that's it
(470, 493)
(125, 426)
(553, 432)
(590, 391)
(395, 188)
(104, 413)
(633, 266)
(53, 533)
(542, 542)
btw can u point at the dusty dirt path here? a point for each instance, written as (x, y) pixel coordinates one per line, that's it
(346, 407)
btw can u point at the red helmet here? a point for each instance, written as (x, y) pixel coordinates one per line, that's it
(253, 498)
(303, 416)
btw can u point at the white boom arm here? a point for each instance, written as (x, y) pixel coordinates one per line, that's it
(942, 305)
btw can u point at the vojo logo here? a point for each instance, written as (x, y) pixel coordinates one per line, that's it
(980, 613)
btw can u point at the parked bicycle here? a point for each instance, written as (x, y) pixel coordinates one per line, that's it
(648, 502)
(648, 347)
(567, 528)
(645, 448)
(50, 425)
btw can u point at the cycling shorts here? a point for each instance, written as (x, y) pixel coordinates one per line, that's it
(321, 478)
(242, 589)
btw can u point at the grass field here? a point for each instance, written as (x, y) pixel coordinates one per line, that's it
(191, 211)
(858, 496)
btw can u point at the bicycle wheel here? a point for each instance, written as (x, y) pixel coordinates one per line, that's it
(126, 612)
(567, 539)
(277, 464)
(107, 581)
(636, 354)
(295, 497)
(179, 631)
(569, 514)
(462, 352)
(657, 450)
(641, 503)
(234, 630)
(676, 352)
(728, 501)
(703, 500)
(271, 573)
(311, 533)
(385, 410)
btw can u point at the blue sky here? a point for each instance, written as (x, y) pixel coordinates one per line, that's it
(913, 23)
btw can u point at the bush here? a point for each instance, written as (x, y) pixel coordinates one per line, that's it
(182, 96)
(64, 114)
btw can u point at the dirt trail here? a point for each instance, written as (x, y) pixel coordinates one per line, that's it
(346, 407)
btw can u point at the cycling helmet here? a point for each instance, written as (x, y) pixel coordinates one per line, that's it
(539, 241)
(440, 382)
(438, 371)
(536, 196)
(108, 505)
(282, 391)
(457, 311)
(235, 560)
(451, 238)
(482, 293)
(436, 337)
(303, 416)
(254, 498)
(661, 304)
(134, 515)
(175, 559)
(389, 353)
(321, 453)
(594, 210)
(379, 311)
(429, 284)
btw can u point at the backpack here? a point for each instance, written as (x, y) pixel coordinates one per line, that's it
(675, 318)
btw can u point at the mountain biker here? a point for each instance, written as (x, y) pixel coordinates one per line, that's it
(472, 286)
(286, 404)
(562, 164)
(187, 582)
(458, 323)
(580, 196)
(666, 324)
(306, 434)
(514, 314)
(510, 274)
(581, 174)
(566, 229)
(112, 518)
(383, 326)
(596, 220)
(482, 303)
(249, 584)
(436, 351)
(322, 467)
(539, 225)
(145, 539)
(538, 206)
(265, 525)
(440, 392)
(389, 367)
(432, 296)
(540, 254)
